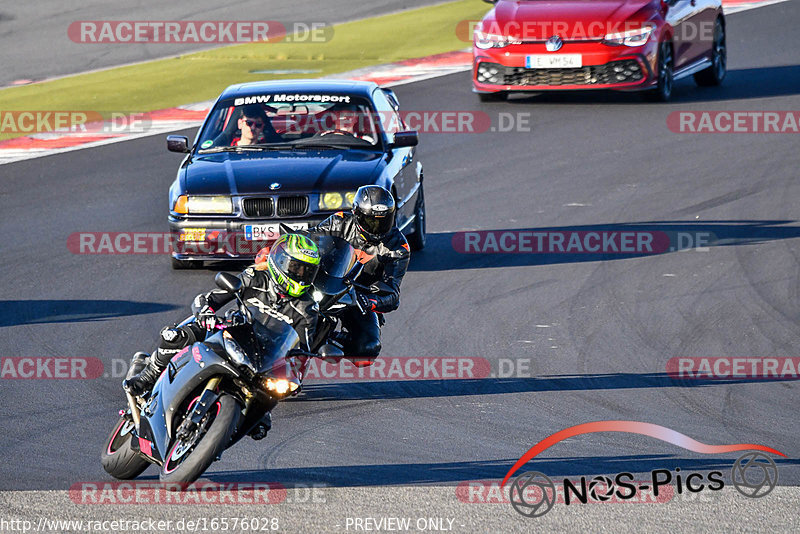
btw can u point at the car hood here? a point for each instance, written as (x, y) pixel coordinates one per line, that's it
(567, 18)
(248, 173)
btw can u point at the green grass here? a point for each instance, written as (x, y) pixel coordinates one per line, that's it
(202, 76)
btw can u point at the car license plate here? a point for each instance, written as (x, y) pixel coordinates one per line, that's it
(554, 61)
(268, 232)
(192, 234)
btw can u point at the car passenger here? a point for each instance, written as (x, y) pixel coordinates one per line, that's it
(255, 127)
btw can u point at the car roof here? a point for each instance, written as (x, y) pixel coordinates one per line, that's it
(352, 87)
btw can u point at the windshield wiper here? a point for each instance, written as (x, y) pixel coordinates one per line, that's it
(323, 145)
(228, 149)
(280, 146)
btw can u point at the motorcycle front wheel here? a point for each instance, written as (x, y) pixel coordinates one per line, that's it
(188, 458)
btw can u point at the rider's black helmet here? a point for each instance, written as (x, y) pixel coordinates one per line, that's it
(374, 209)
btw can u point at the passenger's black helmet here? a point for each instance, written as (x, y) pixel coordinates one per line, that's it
(374, 209)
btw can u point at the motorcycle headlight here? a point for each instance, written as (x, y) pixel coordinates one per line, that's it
(280, 386)
(200, 205)
(636, 37)
(235, 351)
(484, 41)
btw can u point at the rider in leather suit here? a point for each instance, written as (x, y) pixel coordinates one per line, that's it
(385, 253)
(277, 284)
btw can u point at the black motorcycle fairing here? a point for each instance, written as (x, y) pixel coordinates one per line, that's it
(153, 426)
(275, 337)
(189, 372)
(337, 258)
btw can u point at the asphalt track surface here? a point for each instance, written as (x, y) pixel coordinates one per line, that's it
(34, 43)
(385, 448)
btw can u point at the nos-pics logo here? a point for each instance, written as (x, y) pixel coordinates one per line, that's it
(533, 494)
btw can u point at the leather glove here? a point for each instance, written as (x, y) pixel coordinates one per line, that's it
(204, 314)
(367, 303)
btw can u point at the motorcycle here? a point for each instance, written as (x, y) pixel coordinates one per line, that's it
(216, 391)
(336, 285)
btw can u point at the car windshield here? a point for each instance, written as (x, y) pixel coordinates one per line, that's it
(293, 120)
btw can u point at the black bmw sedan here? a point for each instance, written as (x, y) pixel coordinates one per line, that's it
(290, 152)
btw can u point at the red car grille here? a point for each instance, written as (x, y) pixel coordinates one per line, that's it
(616, 72)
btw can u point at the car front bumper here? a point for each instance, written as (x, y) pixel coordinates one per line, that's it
(224, 239)
(603, 67)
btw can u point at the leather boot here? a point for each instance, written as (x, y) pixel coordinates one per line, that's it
(143, 382)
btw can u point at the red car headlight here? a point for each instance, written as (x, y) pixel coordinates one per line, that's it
(636, 37)
(485, 40)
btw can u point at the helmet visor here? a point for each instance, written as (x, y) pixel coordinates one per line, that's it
(298, 271)
(376, 225)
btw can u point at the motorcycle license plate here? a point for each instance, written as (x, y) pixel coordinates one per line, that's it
(268, 232)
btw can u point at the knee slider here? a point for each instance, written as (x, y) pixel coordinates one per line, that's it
(172, 338)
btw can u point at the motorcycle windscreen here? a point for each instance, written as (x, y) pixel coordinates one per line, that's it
(275, 337)
(337, 257)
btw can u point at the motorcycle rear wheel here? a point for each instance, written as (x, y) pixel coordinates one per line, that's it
(118, 458)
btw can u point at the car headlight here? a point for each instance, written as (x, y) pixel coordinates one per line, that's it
(336, 201)
(198, 205)
(484, 40)
(636, 37)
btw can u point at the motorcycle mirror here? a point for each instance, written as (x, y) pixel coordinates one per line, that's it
(330, 351)
(284, 229)
(228, 282)
(353, 273)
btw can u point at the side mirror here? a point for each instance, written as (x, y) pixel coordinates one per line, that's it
(228, 282)
(402, 139)
(178, 143)
(330, 351)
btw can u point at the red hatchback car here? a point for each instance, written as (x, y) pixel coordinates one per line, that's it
(629, 45)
